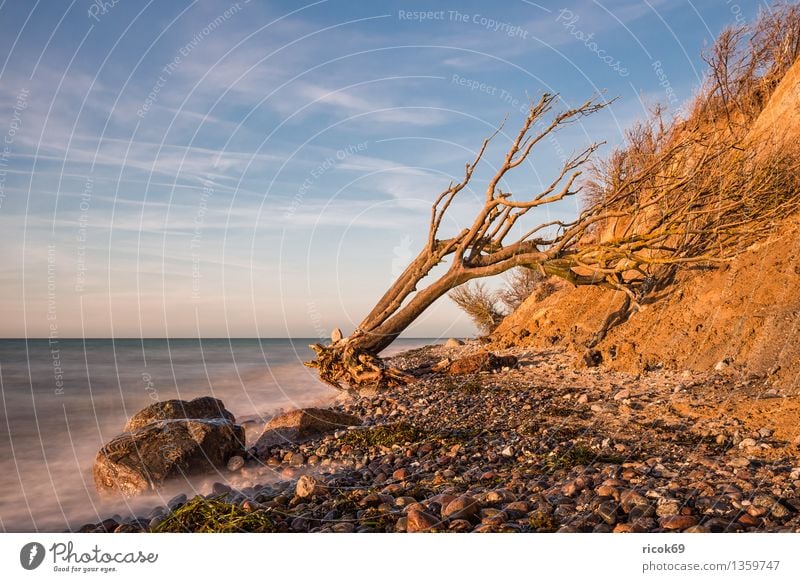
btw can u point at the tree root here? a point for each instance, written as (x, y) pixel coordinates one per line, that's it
(343, 366)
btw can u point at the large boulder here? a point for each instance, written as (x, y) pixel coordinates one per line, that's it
(150, 453)
(300, 425)
(203, 407)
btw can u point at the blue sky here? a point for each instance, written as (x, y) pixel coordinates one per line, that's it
(221, 168)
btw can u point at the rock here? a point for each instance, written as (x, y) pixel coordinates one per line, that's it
(453, 343)
(739, 462)
(508, 451)
(301, 425)
(674, 522)
(177, 501)
(622, 394)
(419, 521)
(629, 499)
(516, 509)
(144, 459)
(344, 527)
(336, 335)
(204, 407)
(481, 361)
(765, 433)
(722, 365)
(235, 463)
(772, 505)
(592, 358)
(500, 496)
(697, 529)
(460, 525)
(747, 443)
(668, 507)
(308, 486)
(401, 474)
(607, 511)
(463, 507)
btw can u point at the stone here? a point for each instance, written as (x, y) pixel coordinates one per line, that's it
(453, 343)
(629, 499)
(420, 521)
(667, 507)
(235, 463)
(592, 358)
(301, 425)
(463, 507)
(607, 491)
(722, 365)
(344, 527)
(739, 462)
(460, 525)
(143, 460)
(516, 509)
(641, 511)
(336, 335)
(499, 496)
(508, 451)
(308, 486)
(400, 474)
(481, 361)
(747, 443)
(622, 394)
(677, 522)
(204, 407)
(607, 511)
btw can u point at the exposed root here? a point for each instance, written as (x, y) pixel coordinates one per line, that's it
(343, 365)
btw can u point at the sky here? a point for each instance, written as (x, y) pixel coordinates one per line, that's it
(204, 168)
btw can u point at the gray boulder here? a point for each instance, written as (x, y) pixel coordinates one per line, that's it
(203, 407)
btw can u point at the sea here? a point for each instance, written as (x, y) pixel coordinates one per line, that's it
(62, 400)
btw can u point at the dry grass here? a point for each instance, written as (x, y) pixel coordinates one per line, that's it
(480, 304)
(700, 187)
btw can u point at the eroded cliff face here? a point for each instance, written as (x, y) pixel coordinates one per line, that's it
(744, 314)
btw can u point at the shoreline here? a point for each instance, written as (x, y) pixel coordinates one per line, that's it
(540, 447)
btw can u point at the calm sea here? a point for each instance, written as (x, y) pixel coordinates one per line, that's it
(62, 401)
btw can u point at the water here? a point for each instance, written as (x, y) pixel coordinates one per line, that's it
(62, 401)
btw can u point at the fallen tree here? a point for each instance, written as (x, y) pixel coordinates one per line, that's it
(669, 202)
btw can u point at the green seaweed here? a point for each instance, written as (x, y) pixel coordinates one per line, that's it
(202, 515)
(385, 435)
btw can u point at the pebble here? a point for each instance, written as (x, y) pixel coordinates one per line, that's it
(420, 521)
(463, 507)
(235, 463)
(607, 511)
(677, 522)
(308, 486)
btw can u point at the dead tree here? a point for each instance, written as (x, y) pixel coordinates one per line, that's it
(665, 202)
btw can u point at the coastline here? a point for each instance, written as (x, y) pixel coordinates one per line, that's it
(541, 447)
